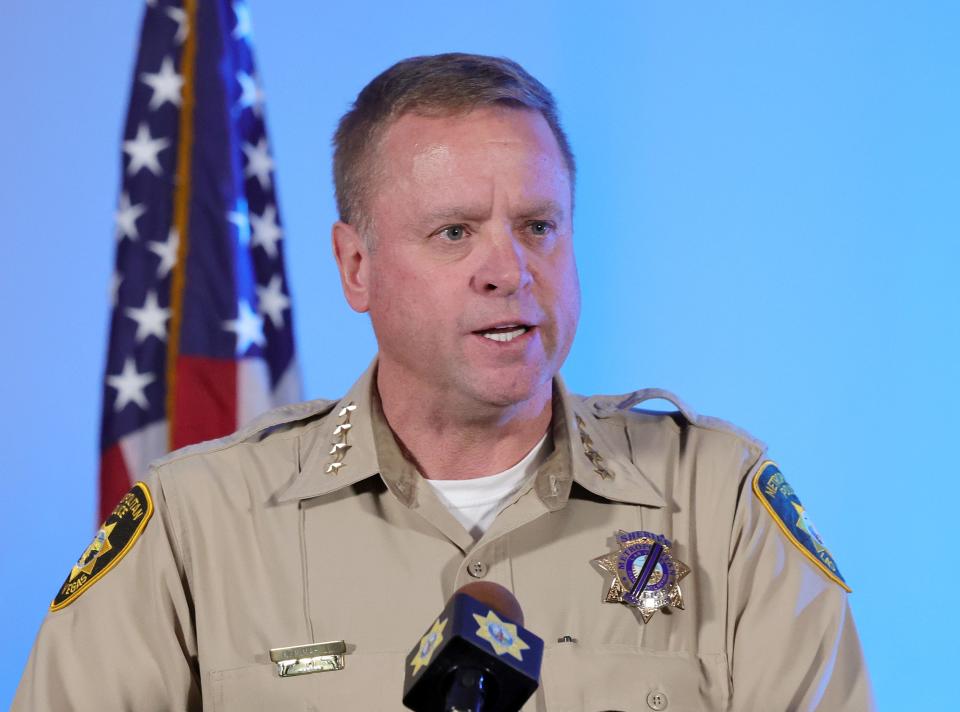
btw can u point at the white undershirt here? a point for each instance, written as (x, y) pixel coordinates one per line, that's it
(476, 502)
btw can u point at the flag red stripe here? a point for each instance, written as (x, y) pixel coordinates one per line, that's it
(114, 479)
(206, 400)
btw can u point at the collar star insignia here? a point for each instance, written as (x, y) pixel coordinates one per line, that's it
(98, 547)
(339, 445)
(646, 575)
(428, 644)
(501, 635)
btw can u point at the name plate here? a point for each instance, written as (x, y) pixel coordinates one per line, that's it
(305, 659)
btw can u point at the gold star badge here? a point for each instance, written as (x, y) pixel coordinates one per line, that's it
(98, 547)
(500, 634)
(805, 524)
(646, 575)
(428, 644)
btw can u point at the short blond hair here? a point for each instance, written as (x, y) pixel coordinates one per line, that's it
(440, 84)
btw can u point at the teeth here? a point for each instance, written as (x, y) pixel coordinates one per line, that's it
(504, 335)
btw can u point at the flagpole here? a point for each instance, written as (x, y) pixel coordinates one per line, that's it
(181, 210)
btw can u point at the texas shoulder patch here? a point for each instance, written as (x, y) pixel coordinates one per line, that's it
(783, 504)
(115, 538)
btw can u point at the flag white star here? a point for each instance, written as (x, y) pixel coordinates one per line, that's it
(179, 15)
(144, 150)
(167, 252)
(151, 318)
(241, 221)
(126, 218)
(251, 95)
(166, 84)
(266, 232)
(259, 162)
(244, 28)
(272, 300)
(248, 327)
(129, 385)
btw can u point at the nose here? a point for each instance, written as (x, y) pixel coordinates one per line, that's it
(502, 269)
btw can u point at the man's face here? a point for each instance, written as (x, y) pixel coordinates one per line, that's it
(473, 290)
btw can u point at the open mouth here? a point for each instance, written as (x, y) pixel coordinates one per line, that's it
(505, 333)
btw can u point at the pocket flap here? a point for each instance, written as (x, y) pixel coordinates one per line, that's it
(577, 679)
(371, 681)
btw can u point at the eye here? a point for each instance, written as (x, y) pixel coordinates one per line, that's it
(453, 233)
(540, 228)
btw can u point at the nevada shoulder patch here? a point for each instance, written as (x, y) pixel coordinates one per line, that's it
(778, 498)
(115, 538)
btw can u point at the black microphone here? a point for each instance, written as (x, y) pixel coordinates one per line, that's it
(475, 657)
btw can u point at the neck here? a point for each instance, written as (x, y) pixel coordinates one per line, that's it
(449, 439)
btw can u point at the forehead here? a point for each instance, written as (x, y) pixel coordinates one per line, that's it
(484, 123)
(433, 156)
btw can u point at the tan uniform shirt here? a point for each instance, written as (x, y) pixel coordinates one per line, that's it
(262, 540)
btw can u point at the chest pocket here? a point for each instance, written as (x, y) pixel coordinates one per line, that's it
(576, 679)
(372, 681)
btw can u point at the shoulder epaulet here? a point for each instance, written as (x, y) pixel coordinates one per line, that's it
(606, 406)
(259, 426)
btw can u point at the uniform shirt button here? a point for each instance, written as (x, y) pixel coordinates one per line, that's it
(657, 700)
(477, 569)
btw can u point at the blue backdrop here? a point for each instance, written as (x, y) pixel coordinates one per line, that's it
(767, 224)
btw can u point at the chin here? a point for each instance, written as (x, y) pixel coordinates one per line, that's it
(502, 391)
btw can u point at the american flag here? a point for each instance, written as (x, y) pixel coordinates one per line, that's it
(201, 334)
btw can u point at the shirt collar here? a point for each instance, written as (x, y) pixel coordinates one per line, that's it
(592, 453)
(339, 449)
(355, 442)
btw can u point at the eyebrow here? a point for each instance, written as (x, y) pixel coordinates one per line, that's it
(457, 213)
(544, 208)
(471, 213)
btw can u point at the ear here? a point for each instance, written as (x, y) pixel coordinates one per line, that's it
(353, 261)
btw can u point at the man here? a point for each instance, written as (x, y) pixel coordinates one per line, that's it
(665, 562)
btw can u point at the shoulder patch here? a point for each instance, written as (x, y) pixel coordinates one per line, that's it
(116, 537)
(778, 497)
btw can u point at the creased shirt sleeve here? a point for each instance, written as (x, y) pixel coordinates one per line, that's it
(791, 639)
(126, 643)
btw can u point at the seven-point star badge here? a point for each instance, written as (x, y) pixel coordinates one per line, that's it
(646, 575)
(99, 547)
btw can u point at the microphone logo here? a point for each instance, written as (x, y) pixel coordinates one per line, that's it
(501, 635)
(428, 643)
